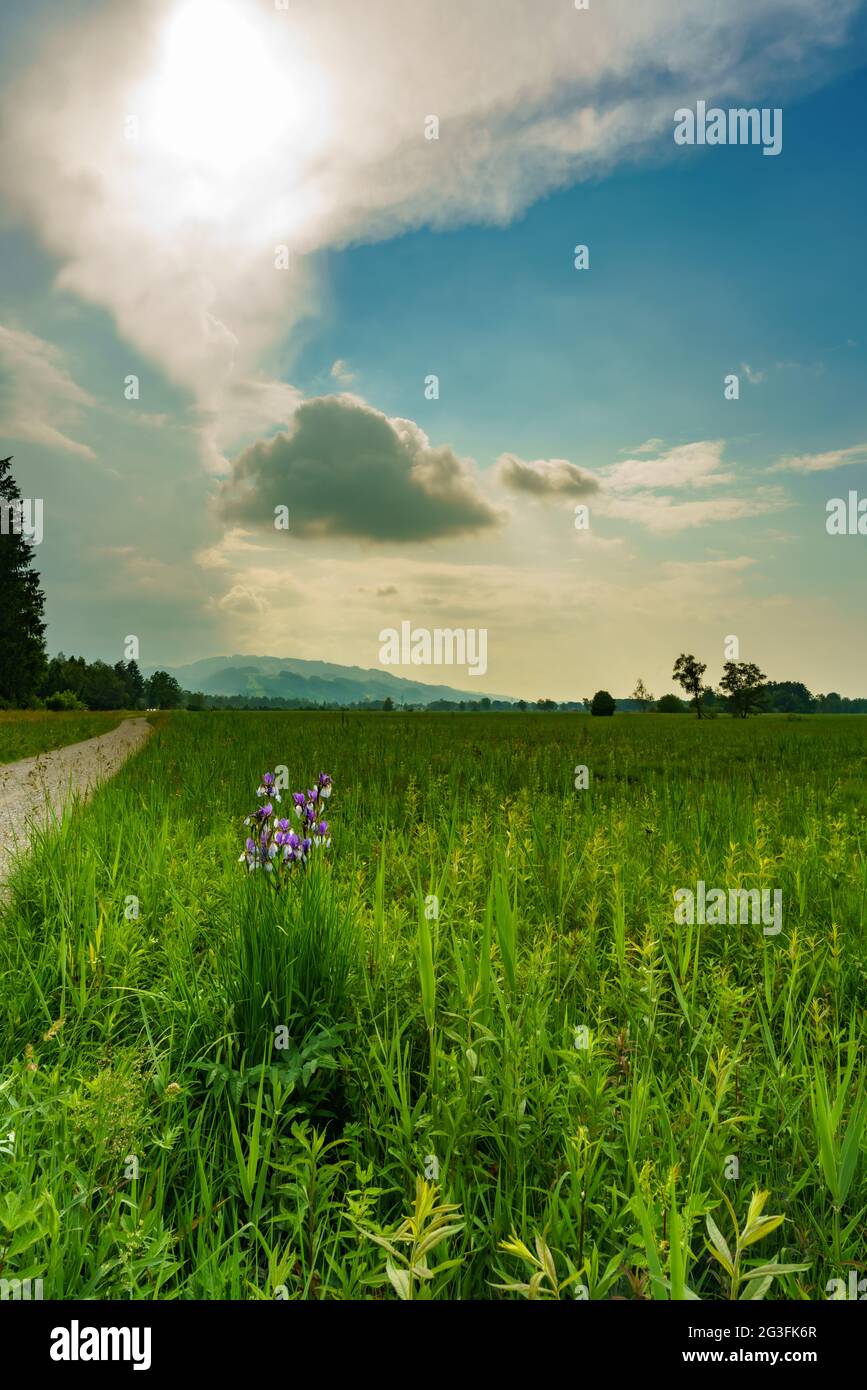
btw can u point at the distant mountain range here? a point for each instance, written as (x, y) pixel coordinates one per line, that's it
(290, 678)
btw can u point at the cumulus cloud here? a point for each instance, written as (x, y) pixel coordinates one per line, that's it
(545, 477)
(241, 601)
(821, 463)
(345, 469)
(163, 150)
(38, 397)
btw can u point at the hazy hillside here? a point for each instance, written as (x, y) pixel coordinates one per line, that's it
(292, 678)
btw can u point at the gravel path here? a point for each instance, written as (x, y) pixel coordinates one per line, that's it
(35, 790)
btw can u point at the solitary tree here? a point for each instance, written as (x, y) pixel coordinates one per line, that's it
(689, 673)
(642, 695)
(744, 684)
(22, 648)
(603, 703)
(163, 691)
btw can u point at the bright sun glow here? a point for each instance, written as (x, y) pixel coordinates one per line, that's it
(220, 98)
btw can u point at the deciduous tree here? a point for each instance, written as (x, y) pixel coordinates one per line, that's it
(689, 672)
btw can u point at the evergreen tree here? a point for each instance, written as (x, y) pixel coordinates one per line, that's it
(22, 646)
(133, 682)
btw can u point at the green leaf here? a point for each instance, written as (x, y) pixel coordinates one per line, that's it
(721, 1250)
(399, 1279)
(757, 1290)
(760, 1229)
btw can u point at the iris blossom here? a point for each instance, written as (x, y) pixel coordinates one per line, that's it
(276, 845)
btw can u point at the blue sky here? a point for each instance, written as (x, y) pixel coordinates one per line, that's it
(703, 262)
(696, 266)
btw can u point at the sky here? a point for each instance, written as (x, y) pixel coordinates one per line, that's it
(317, 263)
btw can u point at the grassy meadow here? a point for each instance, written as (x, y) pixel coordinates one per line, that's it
(23, 734)
(473, 1030)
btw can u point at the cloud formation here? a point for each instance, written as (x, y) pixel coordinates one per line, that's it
(629, 490)
(821, 463)
(545, 477)
(38, 397)
(163, 149)
(666, 515)
(345, 469)
(687, 465)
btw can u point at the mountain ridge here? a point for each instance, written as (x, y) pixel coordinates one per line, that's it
(298, 678)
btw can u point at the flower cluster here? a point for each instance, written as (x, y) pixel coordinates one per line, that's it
(273, 844)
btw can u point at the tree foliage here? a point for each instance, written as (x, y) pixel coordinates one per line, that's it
(744, 686)
(22, 602)
(689, 672)
(602, 703)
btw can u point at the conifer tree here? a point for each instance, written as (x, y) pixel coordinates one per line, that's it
(22, 629)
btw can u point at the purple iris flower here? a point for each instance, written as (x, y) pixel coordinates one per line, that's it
(276, 845)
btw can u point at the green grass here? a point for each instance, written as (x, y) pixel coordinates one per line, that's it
(165, 1147)
(23, 733)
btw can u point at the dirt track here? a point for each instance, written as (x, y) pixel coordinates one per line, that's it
(35, 790)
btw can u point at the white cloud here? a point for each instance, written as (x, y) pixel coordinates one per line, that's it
(628, 491)
(821, 463)
(38, 397)
(687, 465)
(752, 374)
(666, 515)
(234, 547)
(650, 446)
(241, 601)
(341, 373)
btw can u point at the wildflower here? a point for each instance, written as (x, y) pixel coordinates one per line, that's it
(251, 854)
(272, 844)
(269, 787)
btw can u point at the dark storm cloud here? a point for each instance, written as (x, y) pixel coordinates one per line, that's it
(344, 469)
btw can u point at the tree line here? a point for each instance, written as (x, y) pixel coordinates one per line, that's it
(743, 690)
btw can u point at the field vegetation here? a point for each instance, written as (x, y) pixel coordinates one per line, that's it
(24, 733)
(468, 1052)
